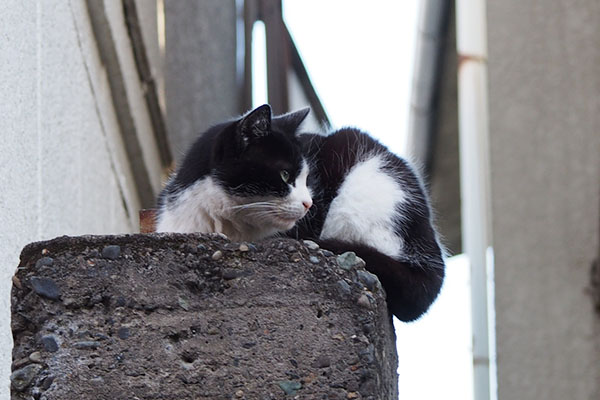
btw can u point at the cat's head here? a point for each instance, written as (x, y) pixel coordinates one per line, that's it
(259, 162)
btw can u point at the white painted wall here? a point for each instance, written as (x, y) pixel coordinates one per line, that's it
(63, 165)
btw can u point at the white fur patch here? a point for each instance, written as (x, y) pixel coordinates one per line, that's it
(198, 208)
(365, 207)
(300, 193)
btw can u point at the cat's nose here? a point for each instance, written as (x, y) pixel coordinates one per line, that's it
(307, 204)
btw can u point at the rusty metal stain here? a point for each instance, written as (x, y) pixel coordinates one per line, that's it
(148, 220)
(463, 58)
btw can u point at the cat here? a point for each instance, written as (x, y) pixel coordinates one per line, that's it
(256, 177)
(244, 178)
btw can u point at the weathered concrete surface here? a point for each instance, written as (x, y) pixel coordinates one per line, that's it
(168, 316)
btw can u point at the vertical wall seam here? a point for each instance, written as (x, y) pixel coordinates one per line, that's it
(113, 163)
(137, 148)
(147, 81)
(38, 99)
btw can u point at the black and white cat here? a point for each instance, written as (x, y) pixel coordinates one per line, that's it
(255, 177)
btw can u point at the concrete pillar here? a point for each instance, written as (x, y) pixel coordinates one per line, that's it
(201, 81)
(175, 316)
(544, 98)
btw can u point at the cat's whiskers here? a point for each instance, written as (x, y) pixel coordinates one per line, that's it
(258, 205)
(275, 212)
(282, 213)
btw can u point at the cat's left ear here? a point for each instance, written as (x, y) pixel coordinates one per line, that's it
(256, 124)
(290, 122)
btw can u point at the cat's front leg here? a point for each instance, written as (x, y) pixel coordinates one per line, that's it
(217, 226)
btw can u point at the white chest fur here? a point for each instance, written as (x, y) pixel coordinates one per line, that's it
(198, 208)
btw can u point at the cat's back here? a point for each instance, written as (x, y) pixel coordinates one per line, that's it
(195, 166)
(364, 190)
(334, 156)
(372, 202)
(368, 188)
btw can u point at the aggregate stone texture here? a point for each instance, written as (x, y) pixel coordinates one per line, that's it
(173, 316)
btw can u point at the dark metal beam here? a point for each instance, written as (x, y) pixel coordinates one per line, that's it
(116, 80)
(282, 58)
(251, 11)
(307, 86)
(277, 55)
(149, 83)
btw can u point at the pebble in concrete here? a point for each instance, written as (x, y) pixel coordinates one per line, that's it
(311, 245)
(349, 260)
(322, 361)
(44, 261)
(290, 387)
(370, 280)
(22, 378)
(111, 252)
(45, 287)
(86, 345)
(363, 301)
(244, 248)
(343, 287)
(35, 357)
(49, 343)
(123, 333)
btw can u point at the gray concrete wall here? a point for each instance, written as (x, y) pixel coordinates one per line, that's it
(63, 162)
(200, 82)
(544, 86)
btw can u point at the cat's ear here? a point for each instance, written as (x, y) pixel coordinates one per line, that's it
(254, 125)
(290, 122)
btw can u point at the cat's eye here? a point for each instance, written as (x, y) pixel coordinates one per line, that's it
(285, 176)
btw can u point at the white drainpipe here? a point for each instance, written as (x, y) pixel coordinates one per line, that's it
(474, 173)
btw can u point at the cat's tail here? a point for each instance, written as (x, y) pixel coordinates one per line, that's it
(410, 287)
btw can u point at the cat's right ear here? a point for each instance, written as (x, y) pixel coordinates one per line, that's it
(254, 125)
(290, 122)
